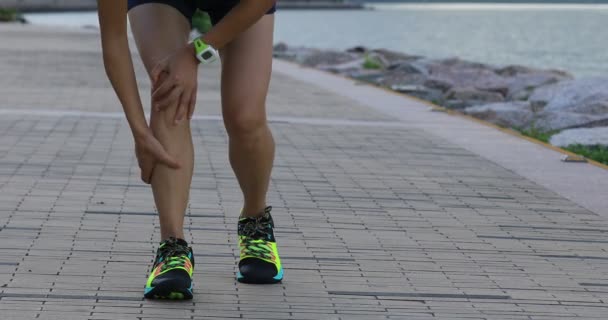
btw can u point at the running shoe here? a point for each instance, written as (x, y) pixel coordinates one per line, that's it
(259, 258)
(171, 276)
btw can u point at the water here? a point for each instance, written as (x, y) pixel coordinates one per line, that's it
(568, 37)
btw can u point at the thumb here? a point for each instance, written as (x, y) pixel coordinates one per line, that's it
(155, 75)
(163, 156)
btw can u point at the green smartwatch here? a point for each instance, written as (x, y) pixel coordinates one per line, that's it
(204, 52)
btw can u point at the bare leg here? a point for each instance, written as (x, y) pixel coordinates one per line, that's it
(160, 30)
(246, 69)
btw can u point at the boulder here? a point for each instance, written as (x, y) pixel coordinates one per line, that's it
(280, 47)
(471, 96)
(439, 84)
(313, 58)
(523, 84)
(515, 114)
(585, 96)
(584, 136)
(378, 59)
(392, 78)
(515, 70)
(458, 63)
(559, 120)
(420, 91)
(393, 56)
(408, 67)
(453, 73)
(357, 49)
(347, 68)
(366, 75)
(571, 104)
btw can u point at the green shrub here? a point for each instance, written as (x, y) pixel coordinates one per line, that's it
(598, 153)
(201, 21)
(8, 15)
(371, 63)
(538, 134)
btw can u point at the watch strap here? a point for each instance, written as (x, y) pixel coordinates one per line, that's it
(199, 45)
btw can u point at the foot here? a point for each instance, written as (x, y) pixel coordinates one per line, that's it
(171, 276)
(259, 262)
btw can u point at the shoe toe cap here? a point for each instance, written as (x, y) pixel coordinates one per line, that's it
(254, 269)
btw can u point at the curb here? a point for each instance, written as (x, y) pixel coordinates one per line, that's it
(435, 107)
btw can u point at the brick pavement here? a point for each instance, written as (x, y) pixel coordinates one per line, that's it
(375, 220)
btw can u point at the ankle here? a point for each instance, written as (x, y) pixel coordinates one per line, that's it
(255, 213)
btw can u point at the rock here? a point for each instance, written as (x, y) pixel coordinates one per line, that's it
(550, 120)
(514, 70)
(377, 59)
(463, 64)
(367, 75)
(280, 47)
(357, 49)
(584, 136)
(455, 104)
(393, 56)
(438, 84)
(420, 91)
(522, 85)
(586, 96)
(456, 73)
(408, 67)
(515, 114)
(347, 68)
(472, 96)
(390, 79)
(314, 58)
(571, 104)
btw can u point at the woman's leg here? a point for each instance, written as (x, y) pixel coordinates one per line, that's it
(160, 30)
(246, 69)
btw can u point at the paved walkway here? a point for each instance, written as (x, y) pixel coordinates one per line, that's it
(384, 211)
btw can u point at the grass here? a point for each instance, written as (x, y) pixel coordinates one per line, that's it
(8, 15)
(598, 153)
(371, 63)
(538, 134)
(201, 21)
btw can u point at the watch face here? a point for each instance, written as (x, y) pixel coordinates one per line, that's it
(207, 55)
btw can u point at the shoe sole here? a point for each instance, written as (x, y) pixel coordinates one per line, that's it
(253, 280)
(168, 293)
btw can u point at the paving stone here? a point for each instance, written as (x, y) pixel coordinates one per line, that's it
(373, 222)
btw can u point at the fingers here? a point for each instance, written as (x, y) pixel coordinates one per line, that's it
(166, 159)
(155, 75)
(168, 100)
(182, 108)
(192, 104)
(162, 93)
(146, 172)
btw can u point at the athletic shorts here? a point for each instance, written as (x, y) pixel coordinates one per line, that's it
(216, 9)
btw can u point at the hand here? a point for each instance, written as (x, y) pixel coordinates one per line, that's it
(174, 81)
(149, 153)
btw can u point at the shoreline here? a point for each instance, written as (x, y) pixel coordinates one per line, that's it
(547, 104)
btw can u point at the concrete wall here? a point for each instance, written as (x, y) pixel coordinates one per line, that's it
(50, 5)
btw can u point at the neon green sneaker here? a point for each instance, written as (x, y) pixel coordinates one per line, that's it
(171, 276)
(259, 258)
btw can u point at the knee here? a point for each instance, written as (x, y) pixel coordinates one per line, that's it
(245, 123)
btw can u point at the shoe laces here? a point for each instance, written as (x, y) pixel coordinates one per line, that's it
(256, 233)
(173, 254)
(258, 227)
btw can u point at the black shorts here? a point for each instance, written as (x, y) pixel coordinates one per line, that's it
(216, 9)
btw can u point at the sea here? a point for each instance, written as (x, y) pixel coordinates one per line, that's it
(570, 37)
